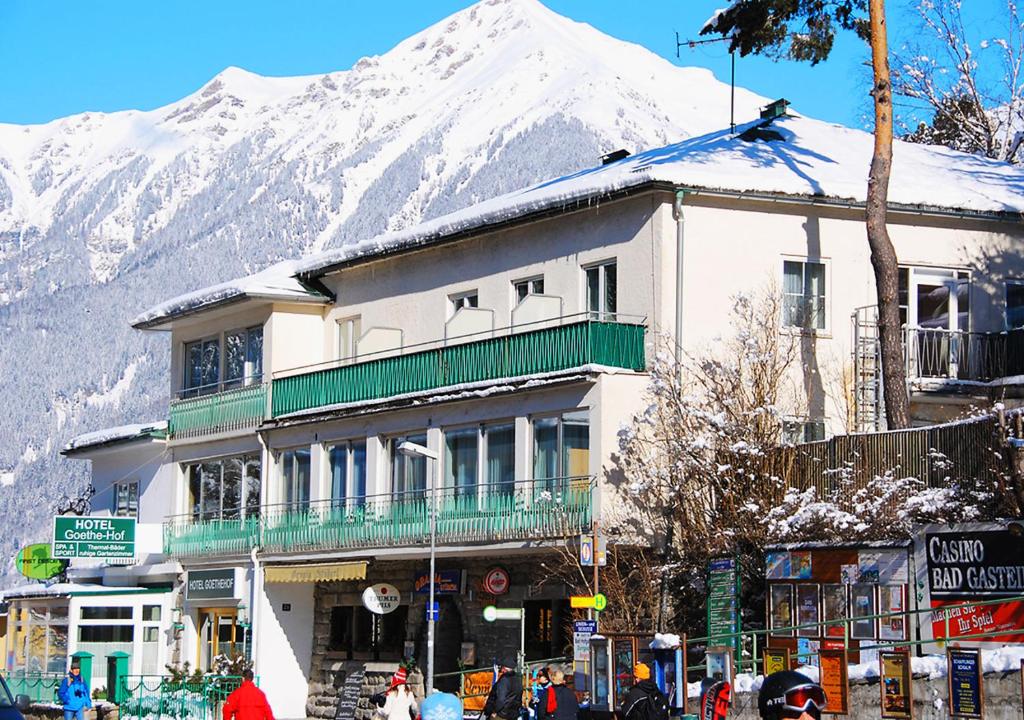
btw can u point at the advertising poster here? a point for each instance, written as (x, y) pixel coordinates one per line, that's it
(890, 600)
(807, 616)
(968, 563)
(895, 685)
(781, 610)
(775, 660)
(800, 565)
(475, 687)
(833, 600)
(777, 565)
(835, 681)
(966, 691)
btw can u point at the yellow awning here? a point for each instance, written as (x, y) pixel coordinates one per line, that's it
(315, 573)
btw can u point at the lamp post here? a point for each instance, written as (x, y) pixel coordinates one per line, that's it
(410, 449)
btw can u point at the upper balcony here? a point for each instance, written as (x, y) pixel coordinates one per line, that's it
(959, 356)
(514, 352)
(516, 511)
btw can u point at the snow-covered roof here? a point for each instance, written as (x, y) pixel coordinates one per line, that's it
(65, 589)
(789, 156)
(121, 433)
(276, 282)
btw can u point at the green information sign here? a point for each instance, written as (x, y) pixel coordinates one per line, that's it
(723, 602)
(93, 537)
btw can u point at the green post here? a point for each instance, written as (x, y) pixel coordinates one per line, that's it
(117, 670)
(84, 661)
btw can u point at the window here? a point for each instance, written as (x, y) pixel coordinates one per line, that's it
(1014, 304)
(499, 457)
(295, 478)
(466, 299)
(126, 499)
(408, 474)
(545, 627)
(151, 613)
(107, 613)
(202, 366)
(461, 451)
(225, 489)
(106, 633)
(355, 631)
(802, 431)
(243, 357)
(602, 291)
(935, 298)
(150, 634)
(803, 289)
(532, 286)
(561, 446)
(348, 473)
(349, 331)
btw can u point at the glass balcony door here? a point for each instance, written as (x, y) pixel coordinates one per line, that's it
(938, 311)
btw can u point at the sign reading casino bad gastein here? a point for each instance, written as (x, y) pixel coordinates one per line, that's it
(93, 537)
(959, 565)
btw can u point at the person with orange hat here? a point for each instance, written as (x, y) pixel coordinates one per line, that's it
(644, 701)
(399, 702)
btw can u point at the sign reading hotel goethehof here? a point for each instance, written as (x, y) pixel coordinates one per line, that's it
(210, 584)
(77, 536)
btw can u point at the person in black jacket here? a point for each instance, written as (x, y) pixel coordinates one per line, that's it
(505, 700)
(644, 699)
(557, 702)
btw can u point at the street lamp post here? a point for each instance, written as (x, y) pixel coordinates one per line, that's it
(410, 449)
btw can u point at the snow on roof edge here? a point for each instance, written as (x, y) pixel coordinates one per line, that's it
(120, 433)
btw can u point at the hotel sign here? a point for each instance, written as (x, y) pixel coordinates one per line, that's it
(105, 538)
(210, 584)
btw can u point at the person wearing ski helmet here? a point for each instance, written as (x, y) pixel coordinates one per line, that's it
(790, 695)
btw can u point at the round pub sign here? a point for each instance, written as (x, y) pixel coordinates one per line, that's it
(381, 599)
(496, 581)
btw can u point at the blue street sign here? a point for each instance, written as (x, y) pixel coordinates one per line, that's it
(433, 612)
(585, 626)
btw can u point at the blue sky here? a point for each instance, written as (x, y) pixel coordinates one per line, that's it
(66, 56)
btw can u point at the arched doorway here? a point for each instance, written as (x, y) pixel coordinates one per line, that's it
(447, 643)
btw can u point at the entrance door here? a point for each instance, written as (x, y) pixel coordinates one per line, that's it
(220, 634)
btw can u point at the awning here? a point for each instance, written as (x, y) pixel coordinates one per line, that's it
(315, 573)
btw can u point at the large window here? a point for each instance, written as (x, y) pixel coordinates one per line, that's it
(225, 489)
(500, 457)
(602, 291)
(803, 288)
(408, 474)
(295, 479)
(348, 473)
(480, 458)
(355, 632)
(561, 446)
(126, 499)
(461, 452)
(241, 364)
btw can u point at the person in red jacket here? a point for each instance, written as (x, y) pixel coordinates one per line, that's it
(247, 702)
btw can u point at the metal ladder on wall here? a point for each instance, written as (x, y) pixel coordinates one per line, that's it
(868, 408)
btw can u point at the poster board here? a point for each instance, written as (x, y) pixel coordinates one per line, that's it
(775, 660)
(475, 687)
(964, 683)
(895, 684)
(835, 681)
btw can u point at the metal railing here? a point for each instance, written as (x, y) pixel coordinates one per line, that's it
(935, 353)
(504, 353)
(41, 687)
(534, 509)
(233, 409)
(157, 696)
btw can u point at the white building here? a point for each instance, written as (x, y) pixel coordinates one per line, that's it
(512, 339)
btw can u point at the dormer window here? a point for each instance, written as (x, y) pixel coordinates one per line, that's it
(240, 364)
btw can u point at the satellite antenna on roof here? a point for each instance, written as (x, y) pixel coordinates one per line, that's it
(732, 75)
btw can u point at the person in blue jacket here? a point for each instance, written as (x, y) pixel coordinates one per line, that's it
(73, 694)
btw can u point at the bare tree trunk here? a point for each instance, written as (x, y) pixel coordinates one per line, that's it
(883, 256)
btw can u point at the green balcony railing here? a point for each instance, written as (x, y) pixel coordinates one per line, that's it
(517, 354)
(234, 409)
(537, 509)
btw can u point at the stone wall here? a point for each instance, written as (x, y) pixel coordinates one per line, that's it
(1002, 700)
(328, 670)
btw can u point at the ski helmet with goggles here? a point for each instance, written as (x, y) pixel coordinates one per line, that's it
(788, 694)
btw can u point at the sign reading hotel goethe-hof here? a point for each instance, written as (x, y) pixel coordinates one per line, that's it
(105, 538)
(211, 584)
(958, 565)
(381, 599)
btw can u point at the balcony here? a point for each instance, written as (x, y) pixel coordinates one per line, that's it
(938, 354)
(238, 408)
(531, 510)
(516, 354)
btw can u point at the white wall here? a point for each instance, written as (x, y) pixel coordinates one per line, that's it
(285, 646)
(142, 461)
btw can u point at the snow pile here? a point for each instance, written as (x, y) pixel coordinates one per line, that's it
(275, 282)
(107, 435)
(665, 641)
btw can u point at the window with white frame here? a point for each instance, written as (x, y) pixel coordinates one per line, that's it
(530, 286)
(1014, 304)
(802, 430)
(602, 291)
(561, 446)
(349, 330)
(348, 473)
(803, 295)
(226, 488)
(480, 459)
(295, 467)
(464, 299)
(408, 473)
(241, 363)
(126, 499)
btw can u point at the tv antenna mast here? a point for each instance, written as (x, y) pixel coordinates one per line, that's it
(732, 75)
